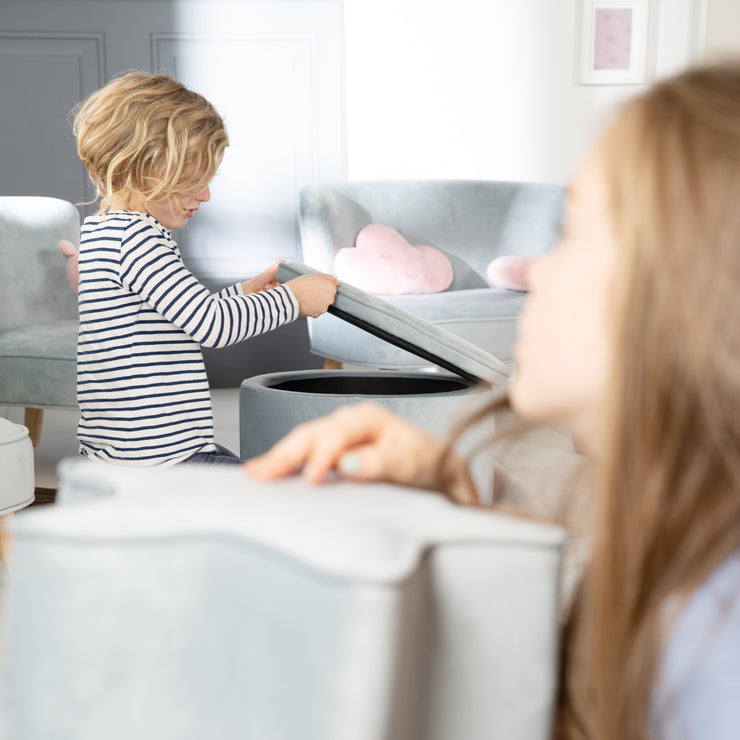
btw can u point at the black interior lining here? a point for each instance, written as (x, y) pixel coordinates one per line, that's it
(403, 344)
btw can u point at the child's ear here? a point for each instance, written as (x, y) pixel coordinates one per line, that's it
(73, 274)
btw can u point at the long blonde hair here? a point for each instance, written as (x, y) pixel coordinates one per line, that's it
(148, 134)
(668, 490)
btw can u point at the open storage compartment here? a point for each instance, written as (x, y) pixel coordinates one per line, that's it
(270, 405)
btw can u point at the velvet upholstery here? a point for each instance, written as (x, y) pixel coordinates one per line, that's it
(472, 222)
(16, 464)
(193, 602)
(38, 310)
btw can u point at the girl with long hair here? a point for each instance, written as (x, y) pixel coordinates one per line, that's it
(630, 339)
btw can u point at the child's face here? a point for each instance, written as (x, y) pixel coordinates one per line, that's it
(169, 216)
(563, 349)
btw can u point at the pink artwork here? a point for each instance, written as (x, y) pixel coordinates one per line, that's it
(613, 38)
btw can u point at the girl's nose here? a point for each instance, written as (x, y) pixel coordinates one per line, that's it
(203, 195)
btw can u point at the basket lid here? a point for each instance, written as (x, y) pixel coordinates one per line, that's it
(409, 332)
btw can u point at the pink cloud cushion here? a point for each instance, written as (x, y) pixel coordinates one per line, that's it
(509, 272)
(384, 263)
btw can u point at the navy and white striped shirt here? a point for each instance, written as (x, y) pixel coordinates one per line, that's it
(141, 381)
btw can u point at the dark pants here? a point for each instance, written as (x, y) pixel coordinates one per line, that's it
(222, 456)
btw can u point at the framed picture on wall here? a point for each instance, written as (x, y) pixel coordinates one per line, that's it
(613, 45)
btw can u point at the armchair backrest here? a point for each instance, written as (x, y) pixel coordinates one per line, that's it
(476, 220)
(33, 282)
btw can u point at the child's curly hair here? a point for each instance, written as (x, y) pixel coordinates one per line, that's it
(148, 134)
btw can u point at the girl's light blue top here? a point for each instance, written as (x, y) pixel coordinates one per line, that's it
(697, 694)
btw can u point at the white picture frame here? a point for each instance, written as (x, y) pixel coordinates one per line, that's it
(613, 44)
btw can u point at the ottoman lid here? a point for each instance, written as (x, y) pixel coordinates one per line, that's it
(407, 331)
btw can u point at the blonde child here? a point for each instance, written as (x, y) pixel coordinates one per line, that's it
(151, 147)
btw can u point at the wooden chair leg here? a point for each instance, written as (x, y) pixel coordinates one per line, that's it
(332, 364)
(33, 419)
(4, 541)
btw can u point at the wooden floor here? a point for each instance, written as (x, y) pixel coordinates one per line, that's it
(44, 496)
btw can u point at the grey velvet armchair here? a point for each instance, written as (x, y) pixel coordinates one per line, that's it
(194, 603)
(471, 221)
(38, 310)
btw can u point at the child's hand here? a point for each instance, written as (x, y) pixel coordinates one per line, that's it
(264, 281)
(366, 442)
(314, 292)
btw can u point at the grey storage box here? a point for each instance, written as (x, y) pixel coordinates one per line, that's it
(271, 405)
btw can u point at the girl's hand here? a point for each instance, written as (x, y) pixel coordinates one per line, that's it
(264, 281)
(366, 442)
(314, 292)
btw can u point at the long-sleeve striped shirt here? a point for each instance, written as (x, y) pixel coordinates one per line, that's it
(141, 381)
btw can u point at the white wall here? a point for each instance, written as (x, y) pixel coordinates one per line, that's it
(481, 88)
(723, 28)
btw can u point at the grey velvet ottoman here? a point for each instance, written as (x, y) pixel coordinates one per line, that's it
(271, 405)
(194, 603)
